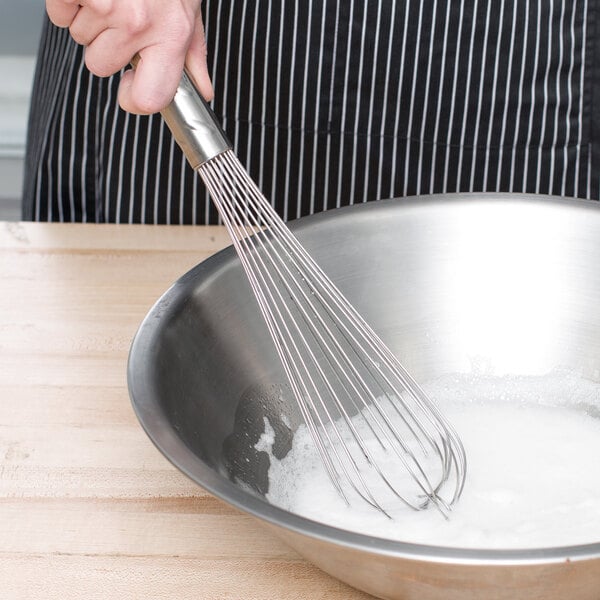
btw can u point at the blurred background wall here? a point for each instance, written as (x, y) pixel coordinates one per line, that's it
(20, 24)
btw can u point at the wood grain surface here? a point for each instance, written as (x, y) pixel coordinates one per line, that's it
(88, 507)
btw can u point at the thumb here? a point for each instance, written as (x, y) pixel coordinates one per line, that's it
(196, 61)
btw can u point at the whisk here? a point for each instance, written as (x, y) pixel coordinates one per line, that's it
(379, 436)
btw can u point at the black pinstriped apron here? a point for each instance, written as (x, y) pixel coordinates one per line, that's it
(334, 102)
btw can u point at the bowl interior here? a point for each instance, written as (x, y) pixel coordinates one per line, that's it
(455, 284)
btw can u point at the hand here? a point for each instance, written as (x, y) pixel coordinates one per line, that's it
(165, 33)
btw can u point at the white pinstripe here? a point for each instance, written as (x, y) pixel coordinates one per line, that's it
(121, 170)
(409, 131)
(557, 107)
(520, 98)
(466, 109)
(438, 110)
(136, 137)
(330, 110)
(511, 55)
(147, 147)
(276, 116)
(532, 108)
(182, 199)
(238, 95)
(545, 105)
(563, 191)
(74, 151)
(480, 98)
(457, 63)
(61, 145)
(303, 112)
(313, 168)
(170, 181)
(382, 128)
(86, 142)
(161, 138)
(263, 114)
(110, 162)
(288, 158)
(493, 103)
(371, 105)
(225, 91)
(358, 98)
(396, 133)
(250, 101)
(426, 101)
(338, 200)
(207, 31)
(579, 120)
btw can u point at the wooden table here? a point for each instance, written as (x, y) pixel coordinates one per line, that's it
(88, 507)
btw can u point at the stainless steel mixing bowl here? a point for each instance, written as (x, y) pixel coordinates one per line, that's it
(509, 284)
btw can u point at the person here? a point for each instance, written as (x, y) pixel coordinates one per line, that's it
(327, 103)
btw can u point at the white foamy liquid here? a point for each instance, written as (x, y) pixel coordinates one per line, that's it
(533, 469)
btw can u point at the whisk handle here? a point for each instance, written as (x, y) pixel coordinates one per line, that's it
(193, 123)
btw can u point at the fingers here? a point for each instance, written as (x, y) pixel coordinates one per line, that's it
(152, 85)
(109, 52)
(86, 26)
(61, 12)
(164, 33)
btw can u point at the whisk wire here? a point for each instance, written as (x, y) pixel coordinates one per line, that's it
(280, 332)
(327, 349)
(335, 300)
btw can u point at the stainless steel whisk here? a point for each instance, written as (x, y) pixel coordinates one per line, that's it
(379, 436)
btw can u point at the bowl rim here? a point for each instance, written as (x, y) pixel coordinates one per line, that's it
(150, 414)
